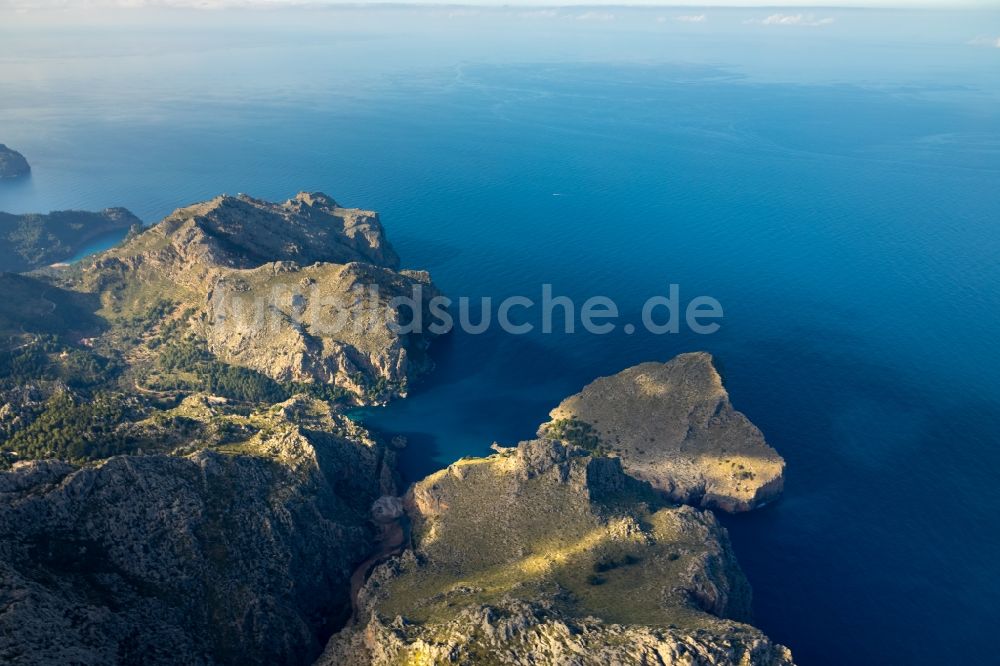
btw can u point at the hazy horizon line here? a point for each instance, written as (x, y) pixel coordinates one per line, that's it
(494, 4)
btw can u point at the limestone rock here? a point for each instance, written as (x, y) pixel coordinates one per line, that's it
(204, 559)
(327, 323)
(304, 291)
(243, 232)
(672, 425)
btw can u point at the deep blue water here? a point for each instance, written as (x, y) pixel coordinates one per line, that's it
(835, 188)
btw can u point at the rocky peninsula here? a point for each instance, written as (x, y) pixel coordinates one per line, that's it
(12, 163)
(547, 553)
(180, 481)
(672, 425)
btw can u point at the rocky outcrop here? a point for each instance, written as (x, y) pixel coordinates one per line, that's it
(328, 323)
(12, 163)
(548, 554)
(672, 425)
(210, 558)
(32, 241)
(527, 634)
(191, 244)
(302, 291)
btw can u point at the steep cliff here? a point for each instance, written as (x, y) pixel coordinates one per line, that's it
(220, 508)
(672, 425)
(299, 291)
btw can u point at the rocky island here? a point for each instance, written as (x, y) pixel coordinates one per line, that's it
(12, 163)
(182, 484)
(32, 241)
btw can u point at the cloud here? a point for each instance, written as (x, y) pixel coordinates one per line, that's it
(595, 16)
(792, 19)
(982, 40)
(691, 18)
(541, 13)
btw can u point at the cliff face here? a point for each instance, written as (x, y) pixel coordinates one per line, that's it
(546, 554)
(672, 425)
(32, 241)
(327, 323)
(299, 291)
(206, 558)
(12, 163)
(191, 244)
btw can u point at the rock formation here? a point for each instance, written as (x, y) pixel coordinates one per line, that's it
(328, 323)
(672, 425)
(220, 508)
(300, 291)
(548, 554)
(12, 163)
(238, 554)
(217, 501)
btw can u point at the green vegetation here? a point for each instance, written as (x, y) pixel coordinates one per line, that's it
(325, 392)
(609, 563)
(77, 430)
(188, 366)
(578, 433)
(20, 366)
(47, 360)
(591, 558)
(31, 307)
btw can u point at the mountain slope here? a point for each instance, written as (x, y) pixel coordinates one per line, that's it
(547, 554)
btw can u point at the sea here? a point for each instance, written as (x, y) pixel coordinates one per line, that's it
(830, 176)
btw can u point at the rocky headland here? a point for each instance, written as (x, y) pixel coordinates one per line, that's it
(547, 553)
(12, 163)
(672, 425)
(179, 487)
(299, 292)
(181, 482)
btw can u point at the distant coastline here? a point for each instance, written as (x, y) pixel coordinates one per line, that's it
(33, 241)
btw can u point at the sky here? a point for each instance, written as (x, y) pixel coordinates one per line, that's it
(943, 4)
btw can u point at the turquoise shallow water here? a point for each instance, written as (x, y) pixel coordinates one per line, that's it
(836, 191)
